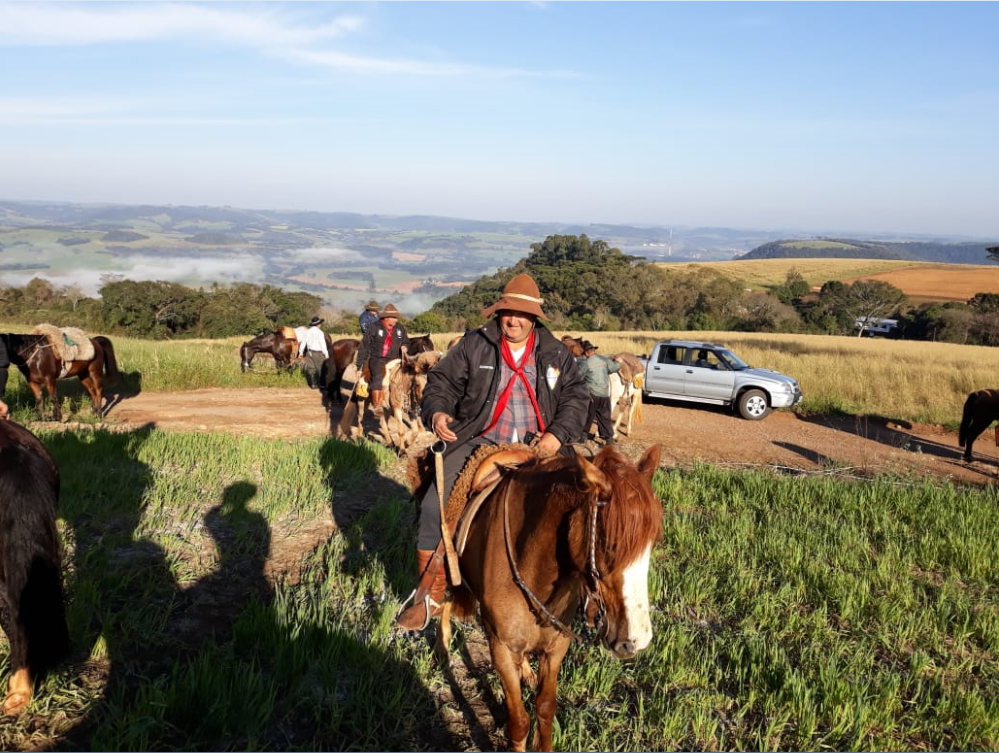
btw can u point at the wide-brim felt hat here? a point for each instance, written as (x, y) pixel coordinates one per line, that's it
(521, 294)
(587, 345)
(371, 306)
(315, 321)
(389, 310)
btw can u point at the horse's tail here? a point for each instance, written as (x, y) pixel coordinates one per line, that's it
(966, 419)
(110, 361)
(31, 558)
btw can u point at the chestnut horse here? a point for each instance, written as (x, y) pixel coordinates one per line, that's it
(32, 606)
(39, 362)
(550, 537)
(275, 343)
(980, 409)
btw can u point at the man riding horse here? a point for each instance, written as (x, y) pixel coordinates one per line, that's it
(381, 343)
(508, 381)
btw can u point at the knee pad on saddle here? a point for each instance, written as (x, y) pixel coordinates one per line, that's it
(490, 468)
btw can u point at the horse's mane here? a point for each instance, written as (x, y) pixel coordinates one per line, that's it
(634, 515)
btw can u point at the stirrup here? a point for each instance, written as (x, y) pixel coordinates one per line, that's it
(429, 606)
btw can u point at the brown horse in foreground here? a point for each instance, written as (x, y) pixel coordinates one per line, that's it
(980, 409)
(41, 365)
(552, 536)
(32, 607)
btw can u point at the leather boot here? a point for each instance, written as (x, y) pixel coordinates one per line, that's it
(377, 397)
(429, 593)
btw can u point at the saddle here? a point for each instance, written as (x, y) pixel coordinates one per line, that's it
(70, 343)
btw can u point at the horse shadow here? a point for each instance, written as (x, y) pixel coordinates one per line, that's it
(129, 384)
(378, 521)
(139, 632)
(882, 430)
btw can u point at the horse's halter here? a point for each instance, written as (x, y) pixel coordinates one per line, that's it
(595, 624)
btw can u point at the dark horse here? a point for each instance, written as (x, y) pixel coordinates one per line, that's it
(39, 362)
(980, 409)
(32, 608)
(342, 354)
(275, 343)
(550, 537)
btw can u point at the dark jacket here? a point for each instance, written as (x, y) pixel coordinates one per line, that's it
(366, 319)
(464, 385)
(371, 343)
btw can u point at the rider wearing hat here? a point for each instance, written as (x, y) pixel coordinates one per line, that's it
(381, 343)
(369, 316)
(312, 345)
(510, 380)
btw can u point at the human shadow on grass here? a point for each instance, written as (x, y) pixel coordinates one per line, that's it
(378, 519)
(167, 666)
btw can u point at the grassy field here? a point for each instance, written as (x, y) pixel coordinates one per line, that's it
(921, 281)
(234, 594)
(789, 614)
(923, 382)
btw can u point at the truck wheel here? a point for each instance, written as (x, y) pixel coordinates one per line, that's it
(753, 405)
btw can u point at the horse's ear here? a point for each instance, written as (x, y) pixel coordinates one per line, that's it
(650, 461)
(594, 479)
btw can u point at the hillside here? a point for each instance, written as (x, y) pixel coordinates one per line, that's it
(345, 258)
(836, 248)
(920, 281)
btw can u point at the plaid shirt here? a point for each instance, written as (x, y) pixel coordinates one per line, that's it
(518, 419)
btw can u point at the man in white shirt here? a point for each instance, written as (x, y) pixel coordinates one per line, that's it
(313, 346)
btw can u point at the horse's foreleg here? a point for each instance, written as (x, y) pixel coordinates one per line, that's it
(548, 666)
(508, 664)
(442, 641)
(50, 387)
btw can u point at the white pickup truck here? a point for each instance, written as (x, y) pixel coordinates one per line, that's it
(702, 372)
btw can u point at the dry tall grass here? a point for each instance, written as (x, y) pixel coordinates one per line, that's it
(904, 380)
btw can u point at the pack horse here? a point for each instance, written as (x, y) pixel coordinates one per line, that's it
(49, 354)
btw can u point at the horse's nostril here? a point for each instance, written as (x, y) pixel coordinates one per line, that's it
(624, 649)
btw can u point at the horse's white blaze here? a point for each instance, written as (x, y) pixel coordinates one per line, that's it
(636, 600)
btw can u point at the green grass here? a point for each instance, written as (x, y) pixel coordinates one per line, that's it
(232, 593)
(789, 613)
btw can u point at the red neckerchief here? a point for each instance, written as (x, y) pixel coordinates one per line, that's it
(387, 344)
(518, 371)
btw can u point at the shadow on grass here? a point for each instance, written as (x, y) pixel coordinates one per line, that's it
(231, 661)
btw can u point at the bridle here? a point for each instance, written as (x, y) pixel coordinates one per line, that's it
(596, 624)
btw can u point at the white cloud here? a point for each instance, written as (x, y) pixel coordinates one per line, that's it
(23, 24)
(272, 31)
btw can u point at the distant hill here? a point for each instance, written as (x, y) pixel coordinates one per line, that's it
(838, 248)
(348, 258)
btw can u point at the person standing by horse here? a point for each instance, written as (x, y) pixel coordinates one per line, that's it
(598, 371)
(381, 343)
(368, 317)
(508, 381)
(313, 347)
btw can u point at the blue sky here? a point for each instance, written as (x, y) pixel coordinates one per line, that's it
(854, 116)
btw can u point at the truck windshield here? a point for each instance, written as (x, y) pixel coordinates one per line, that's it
(731, 360)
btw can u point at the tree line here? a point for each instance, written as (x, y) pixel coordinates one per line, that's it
(587, 285)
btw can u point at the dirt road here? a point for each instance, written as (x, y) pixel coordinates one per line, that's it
(842, 445)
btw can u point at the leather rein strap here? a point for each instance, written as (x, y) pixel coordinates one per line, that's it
(451, 556)
(594, 573)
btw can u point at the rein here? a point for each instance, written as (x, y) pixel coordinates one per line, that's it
(593, 572)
